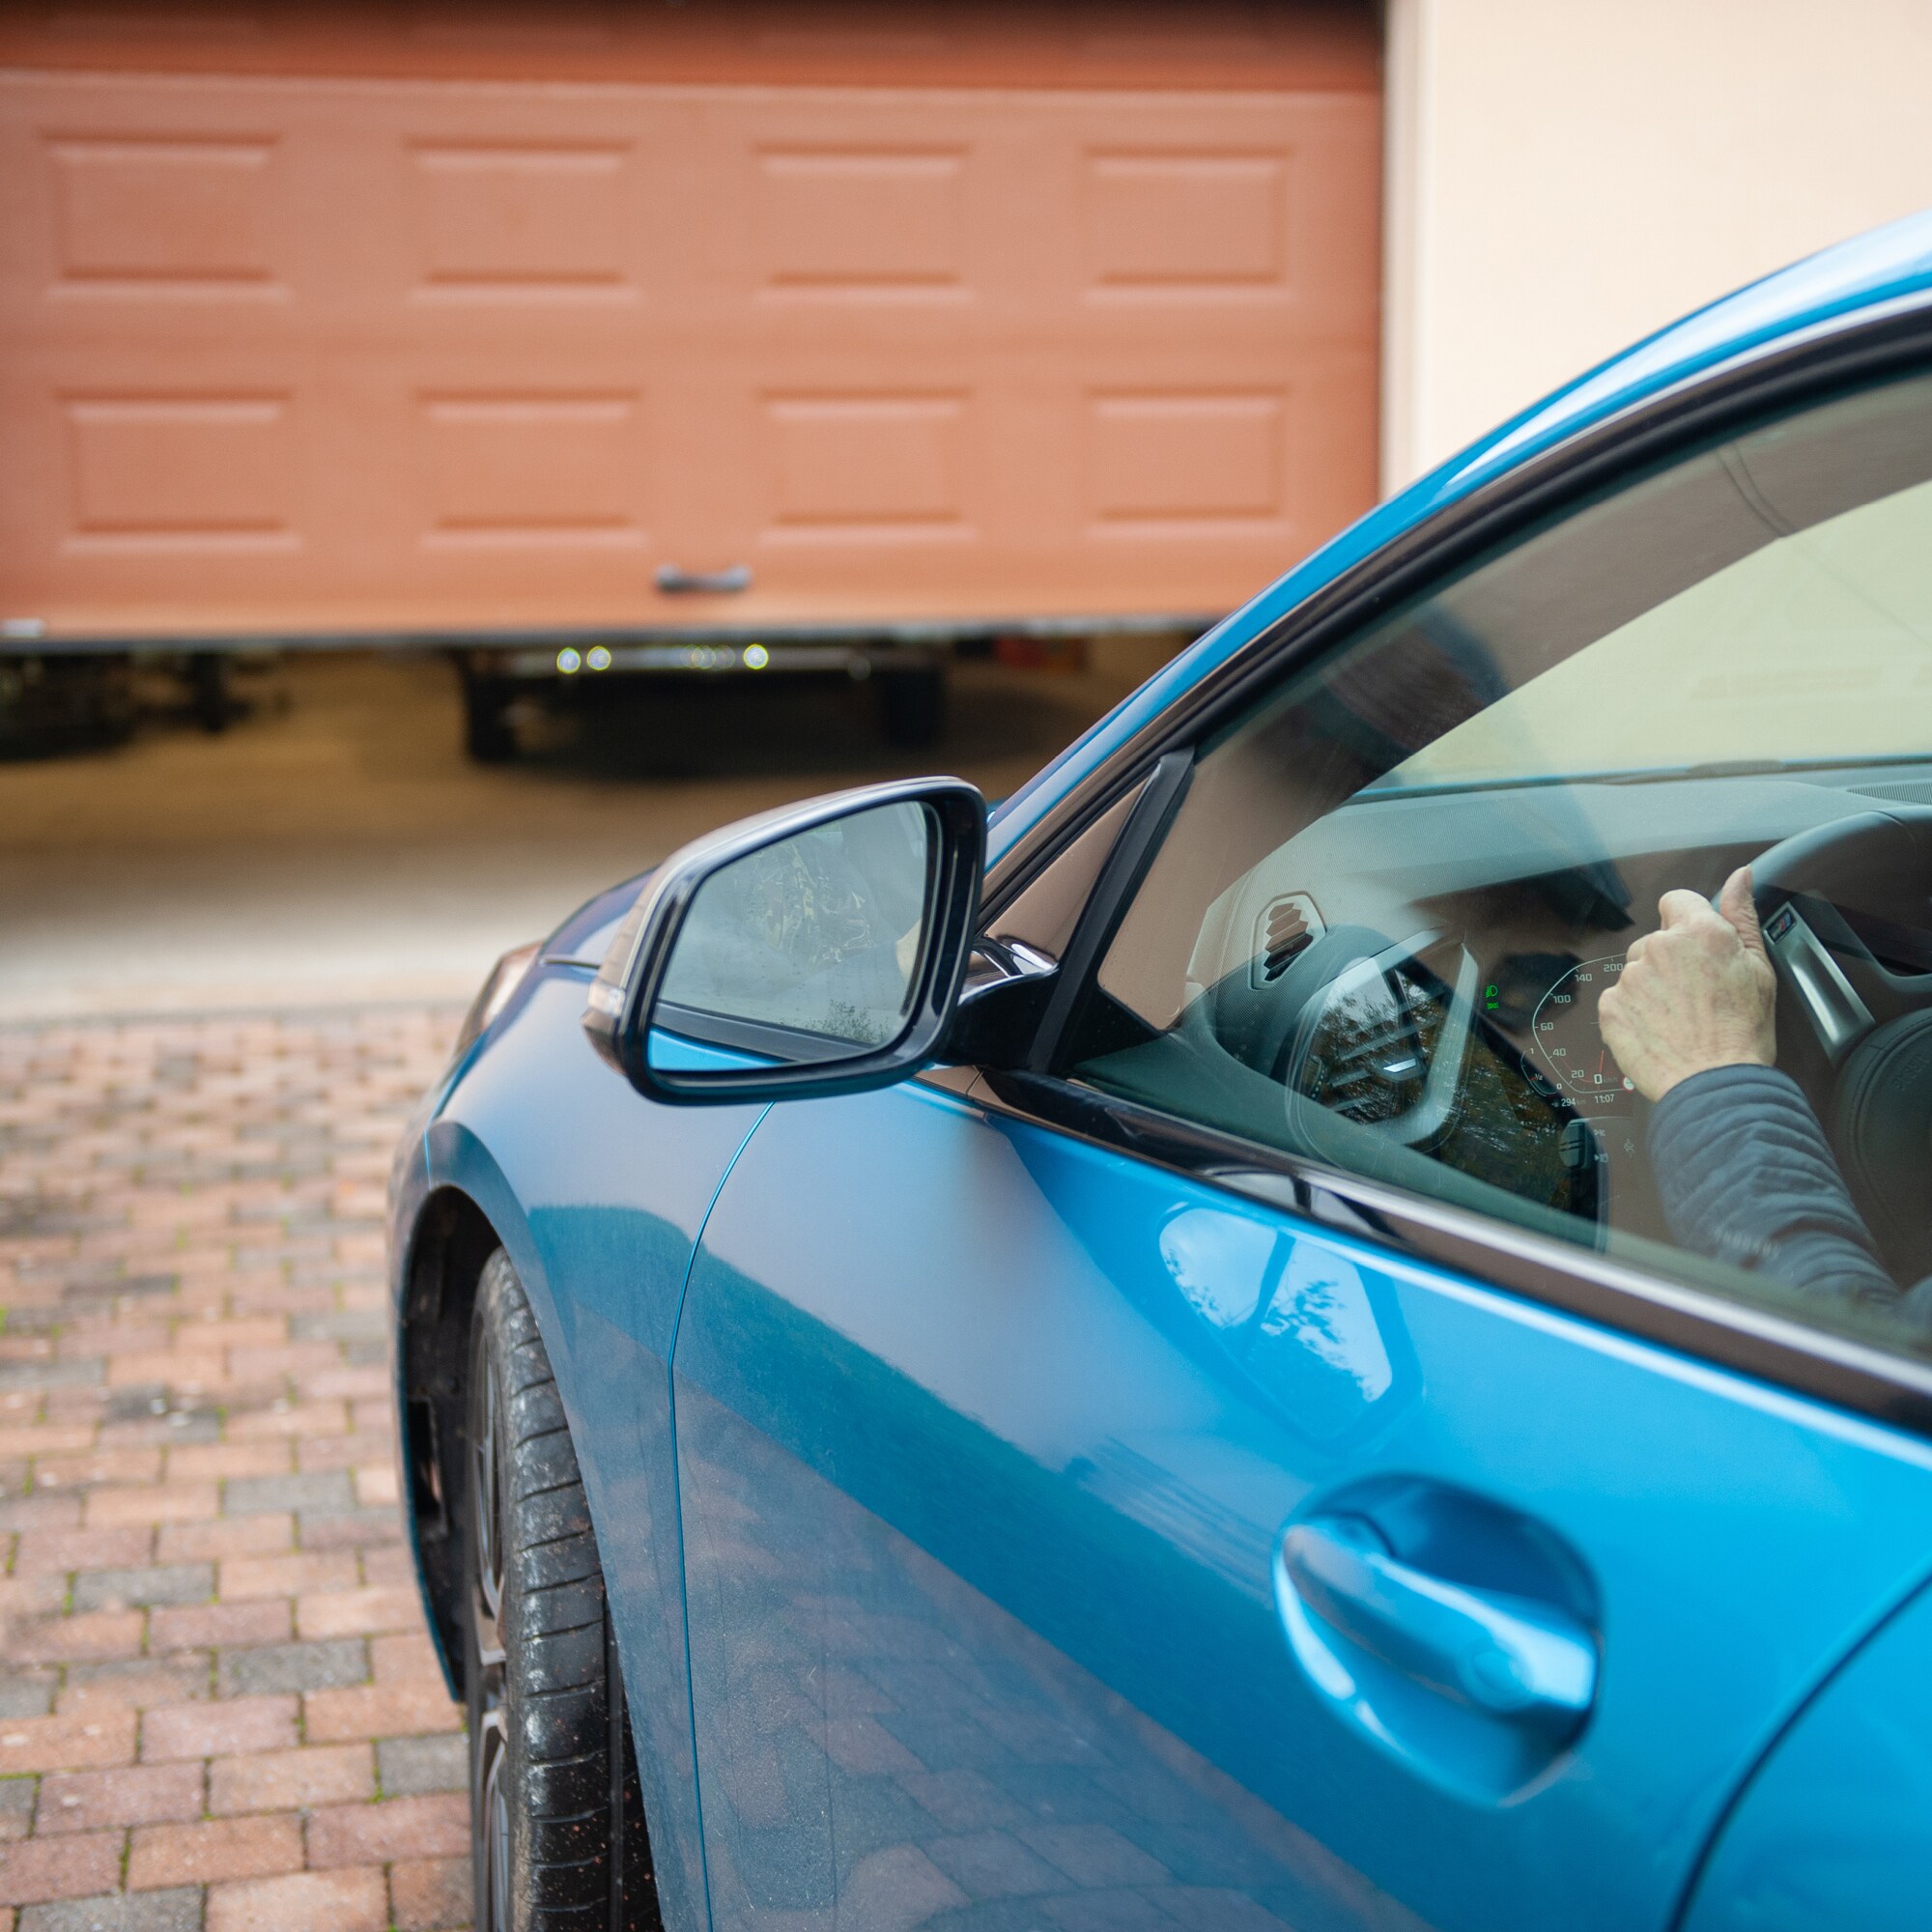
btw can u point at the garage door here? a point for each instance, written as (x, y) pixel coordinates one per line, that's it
(445, 320)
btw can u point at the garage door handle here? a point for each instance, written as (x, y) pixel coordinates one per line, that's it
(676, 583)
(1509, 1656)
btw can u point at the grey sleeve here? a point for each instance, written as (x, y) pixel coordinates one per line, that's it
(1746, 1176)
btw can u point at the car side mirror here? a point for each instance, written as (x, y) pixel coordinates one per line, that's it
(826, 941)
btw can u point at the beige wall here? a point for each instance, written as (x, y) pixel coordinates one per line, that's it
(1565, 177)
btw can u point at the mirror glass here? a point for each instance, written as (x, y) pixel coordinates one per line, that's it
(818, 934)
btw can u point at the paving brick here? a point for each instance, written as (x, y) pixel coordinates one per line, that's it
(291, 1779)
(433, 1826)
(91, 1633)
(30, 1596)
(251, 1331)
(56, 1549)
(288, 1576)
(43, 1868)
(133, 1683)
(379, 1711)
(79, 1741)
(292, 1358)
(359, 1529)
(299, 1419)
(323, 1665)
(342, 1324)
(43, 1512)
(326, 1491)
(372, 1381)
(99, 1466)
(376, 1485)
(150, 1584)
(39, 1375)
(42, 1439)
(113, 1507)
(174, 1911)
(220, 1729)
(166, 1368)
(213, 1462)
(213, 1850)
(359, 1612)
(336, 1901)
(405, 1658)
(393, 1565)
(212, 1626)
(17, 1808)
(147, 1794)
(226, 1536)
(28, 1696)
(407, 1767)
(426, 1894)
(347, 1452)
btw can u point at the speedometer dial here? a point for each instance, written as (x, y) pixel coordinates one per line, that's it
(1569, 1040)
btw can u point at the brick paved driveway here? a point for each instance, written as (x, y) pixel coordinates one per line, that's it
(217, 1703)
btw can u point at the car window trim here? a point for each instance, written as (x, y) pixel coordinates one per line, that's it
(1835, 355)
(1418, 1230)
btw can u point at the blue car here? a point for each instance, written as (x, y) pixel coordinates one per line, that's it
(1138, 1361)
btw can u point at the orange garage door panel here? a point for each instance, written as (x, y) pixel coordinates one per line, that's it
(436, 353)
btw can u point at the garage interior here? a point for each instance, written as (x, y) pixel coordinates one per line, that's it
(342, 343)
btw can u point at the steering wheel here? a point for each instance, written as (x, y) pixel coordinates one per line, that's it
(1827, 898)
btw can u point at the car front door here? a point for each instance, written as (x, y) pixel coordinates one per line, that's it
(1270, 1460)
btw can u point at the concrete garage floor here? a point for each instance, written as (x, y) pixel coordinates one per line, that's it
(335, 846)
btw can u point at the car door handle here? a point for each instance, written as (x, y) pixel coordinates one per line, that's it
(674, 581)
(1509, 1656)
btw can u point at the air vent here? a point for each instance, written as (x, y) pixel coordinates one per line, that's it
(1369, 1057)
(1289, 927)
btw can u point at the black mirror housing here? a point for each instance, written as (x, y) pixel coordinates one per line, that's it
(628, 998)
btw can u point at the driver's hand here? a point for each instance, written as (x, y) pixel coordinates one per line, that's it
(1695, 994)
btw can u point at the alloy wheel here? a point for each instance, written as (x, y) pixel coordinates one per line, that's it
(490, 1805)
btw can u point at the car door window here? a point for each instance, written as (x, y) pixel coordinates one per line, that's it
(1377, 928)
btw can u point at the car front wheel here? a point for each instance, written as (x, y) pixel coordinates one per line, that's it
(557, 1820)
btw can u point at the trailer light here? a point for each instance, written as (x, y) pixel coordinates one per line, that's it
(568, 660)
(599, 658)
(756, 657)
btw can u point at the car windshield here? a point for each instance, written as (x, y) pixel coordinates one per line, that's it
(1804, 640)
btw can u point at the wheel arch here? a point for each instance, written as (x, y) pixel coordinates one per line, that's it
(453, 1240)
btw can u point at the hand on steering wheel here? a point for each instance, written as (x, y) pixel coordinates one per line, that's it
(1697, 994)
(1859, 1028)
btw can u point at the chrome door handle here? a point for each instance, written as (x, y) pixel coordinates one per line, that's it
(1510, 1656)
(676, 583)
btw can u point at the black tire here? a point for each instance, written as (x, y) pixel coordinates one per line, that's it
(488, 735)
(556, 1819)
(914, 702)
